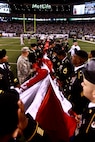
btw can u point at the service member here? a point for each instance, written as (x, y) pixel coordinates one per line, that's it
(77, 99)
(32, 55)
(23, 66)
(65, 72)
(7, 79)
(87, 123)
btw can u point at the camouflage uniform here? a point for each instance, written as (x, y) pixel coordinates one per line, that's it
(23, 69)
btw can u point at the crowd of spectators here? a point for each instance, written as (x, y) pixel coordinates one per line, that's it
(79, 28)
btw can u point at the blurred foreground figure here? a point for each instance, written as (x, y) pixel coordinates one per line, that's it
(14, 122)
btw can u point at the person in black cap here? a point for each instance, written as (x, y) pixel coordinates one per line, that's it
(14, 123)
(32, 55)
(92, 54)
(87, 122)
(6, 75)
(77, 99)
(56, 62)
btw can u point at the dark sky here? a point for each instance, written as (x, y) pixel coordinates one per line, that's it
(46, 1)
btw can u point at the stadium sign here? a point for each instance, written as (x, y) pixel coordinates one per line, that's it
(41, 6)
(4, 8)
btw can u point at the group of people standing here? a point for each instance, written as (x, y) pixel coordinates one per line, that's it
(74, 73)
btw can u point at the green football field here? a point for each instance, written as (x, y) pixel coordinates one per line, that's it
(13, 48)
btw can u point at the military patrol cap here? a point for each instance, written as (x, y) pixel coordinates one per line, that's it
(89, 75)
(61, 52)
(82, 54)
(74, 40)
(8, 111)
(2, 53)
(33, 45)
(57, 48)
(25, 49)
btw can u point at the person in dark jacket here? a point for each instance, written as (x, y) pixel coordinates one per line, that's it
(14, 123)
(7, 79)
(32, 55)
(64, 72)
(77, 99)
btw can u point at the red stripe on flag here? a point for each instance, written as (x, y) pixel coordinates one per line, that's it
(52, 118)
(41, 74)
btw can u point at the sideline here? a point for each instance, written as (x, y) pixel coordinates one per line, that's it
(86, 41)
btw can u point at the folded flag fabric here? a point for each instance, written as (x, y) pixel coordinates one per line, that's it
(47, 105)
(50, 108)
(40, 94)
(52, 118)
(28, 95)
(41, 74)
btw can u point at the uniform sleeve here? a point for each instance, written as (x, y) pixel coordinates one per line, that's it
(34, 133)
(23, 66)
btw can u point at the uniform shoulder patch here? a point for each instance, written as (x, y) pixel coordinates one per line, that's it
(1, 92)
(1, 76)
(93, 124)
(58, 63)
(40, 131)
(90, 110)
(65, 70)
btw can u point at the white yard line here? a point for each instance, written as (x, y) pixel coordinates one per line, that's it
(86, 41)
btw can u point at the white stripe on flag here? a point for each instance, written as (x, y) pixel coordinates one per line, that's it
(41, 92)
(66, 105)
(28, 95)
